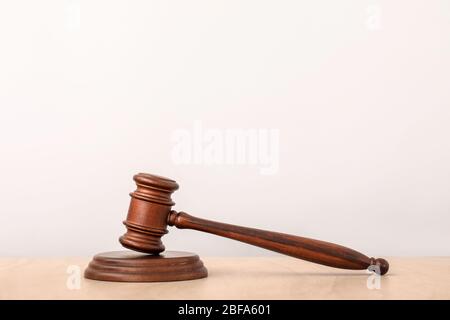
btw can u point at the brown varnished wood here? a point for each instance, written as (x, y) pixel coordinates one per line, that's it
(317, 251)
(150, 213)
(147, 215)
(129, 266)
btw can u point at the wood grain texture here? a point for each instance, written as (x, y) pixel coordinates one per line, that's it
(326, 253)
(230, 278)
(129, 266)
(147, 215)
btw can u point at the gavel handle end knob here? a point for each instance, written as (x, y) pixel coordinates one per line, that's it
(380, 265)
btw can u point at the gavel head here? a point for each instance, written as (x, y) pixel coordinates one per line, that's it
(148, 213)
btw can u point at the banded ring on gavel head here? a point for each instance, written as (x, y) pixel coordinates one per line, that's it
(148, 213)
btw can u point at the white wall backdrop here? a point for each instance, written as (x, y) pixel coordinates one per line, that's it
(358, 93)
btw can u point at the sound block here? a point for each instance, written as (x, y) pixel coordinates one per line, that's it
(130, 266)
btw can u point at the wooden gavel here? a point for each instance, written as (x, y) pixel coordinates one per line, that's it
(150, 213)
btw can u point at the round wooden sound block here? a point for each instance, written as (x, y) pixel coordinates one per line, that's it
(129, 266)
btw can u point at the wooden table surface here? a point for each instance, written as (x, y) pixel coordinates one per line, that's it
(231, 278)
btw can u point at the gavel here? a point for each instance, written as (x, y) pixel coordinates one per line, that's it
(150, 213)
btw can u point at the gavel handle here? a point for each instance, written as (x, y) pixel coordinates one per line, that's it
(316, 251)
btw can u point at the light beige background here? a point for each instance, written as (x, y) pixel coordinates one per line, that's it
(91, 92)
